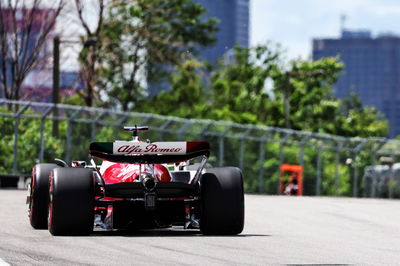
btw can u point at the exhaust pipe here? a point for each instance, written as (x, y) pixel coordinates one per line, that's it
(148, 181)
(150, 197)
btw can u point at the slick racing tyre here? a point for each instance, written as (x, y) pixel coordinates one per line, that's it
(222, 201)
(39, 195)
(71, 207)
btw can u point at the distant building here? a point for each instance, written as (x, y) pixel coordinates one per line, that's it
(38, 83)
(233, 27)
(28, 26)
(233, 16)
(372, 70)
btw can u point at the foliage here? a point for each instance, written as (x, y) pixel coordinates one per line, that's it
(187, 87)
(309, 85)
(237, 91)
(237, 88)
(73, 100)
(314, 109)
(28, 143)
(357, 120)
(143, 40)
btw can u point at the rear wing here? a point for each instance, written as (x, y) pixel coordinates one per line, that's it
(148, 153)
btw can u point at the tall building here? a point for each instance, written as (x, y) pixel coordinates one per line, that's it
(23, 29)
(28, 25)
(233, 16)
(372, 70)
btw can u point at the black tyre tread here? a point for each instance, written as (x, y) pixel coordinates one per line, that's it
(222, 201)
(72, 199)
(39, 194)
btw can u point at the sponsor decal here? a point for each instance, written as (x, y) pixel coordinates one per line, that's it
(132, 148)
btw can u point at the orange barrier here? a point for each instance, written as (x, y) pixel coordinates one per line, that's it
(291, 180)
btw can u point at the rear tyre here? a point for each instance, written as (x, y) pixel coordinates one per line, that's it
(71, 207)
(39, 195)
(222, 201)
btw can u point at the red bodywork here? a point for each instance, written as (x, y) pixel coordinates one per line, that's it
(125, 161)
(120, 164)
(124, 172)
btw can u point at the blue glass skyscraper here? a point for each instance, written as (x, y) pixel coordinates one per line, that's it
(233, 16)
(233, 27)
(372, 70)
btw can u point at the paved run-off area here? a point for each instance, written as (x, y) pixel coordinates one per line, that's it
(278, 231)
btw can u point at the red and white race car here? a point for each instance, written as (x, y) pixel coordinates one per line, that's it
(138, 185)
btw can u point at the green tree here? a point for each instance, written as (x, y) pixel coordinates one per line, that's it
(237, 92)
(238, 87)
(187, 96)
(308, 87)
(313, 108)
(143, 40)
(28, 143)
(361, 121)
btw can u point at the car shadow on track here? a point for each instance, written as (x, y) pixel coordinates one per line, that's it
(163, 233)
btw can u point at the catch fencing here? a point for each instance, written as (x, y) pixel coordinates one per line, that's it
(333, 165)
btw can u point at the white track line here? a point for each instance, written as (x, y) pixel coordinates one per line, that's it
(3, 263)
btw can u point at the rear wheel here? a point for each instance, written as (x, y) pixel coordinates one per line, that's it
(39, 195)
(222, 201)
(71, 208)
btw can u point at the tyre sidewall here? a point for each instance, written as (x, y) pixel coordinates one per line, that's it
(222, 200)
(71, 208)
(39, 195)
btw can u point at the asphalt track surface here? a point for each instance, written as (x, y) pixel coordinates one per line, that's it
(278, 231)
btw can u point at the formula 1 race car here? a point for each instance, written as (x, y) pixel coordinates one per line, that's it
(139, 185)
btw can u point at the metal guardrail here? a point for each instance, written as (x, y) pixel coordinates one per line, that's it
(222, 134)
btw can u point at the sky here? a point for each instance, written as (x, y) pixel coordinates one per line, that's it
(294, 23)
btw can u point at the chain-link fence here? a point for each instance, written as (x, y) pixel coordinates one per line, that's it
(333, 165)
(382, 181)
